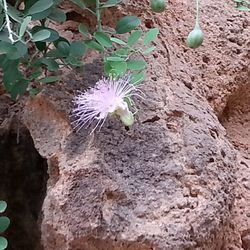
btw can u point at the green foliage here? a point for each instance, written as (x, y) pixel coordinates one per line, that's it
(4, 224)
(243, 5)
(28, 50)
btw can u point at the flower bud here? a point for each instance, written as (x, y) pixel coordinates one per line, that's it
(195, 38)
(158, 5)
(127, 119)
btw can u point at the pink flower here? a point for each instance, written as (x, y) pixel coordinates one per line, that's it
(109, 96)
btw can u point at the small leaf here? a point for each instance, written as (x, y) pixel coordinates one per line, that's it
(6, 47)
(24, 26)
(41, 35)
(83, 29)
(51, 64)
(50, 79)
(17, 88)
(63, 47)
(124, 52)
(137, 78)
(41, 15)
(119, 68)
(103, 39)
(40, 6)
(3, 206)
(151, 35)
(242, 8)
(77, 49)
(134, 37)
(57, 15)
(136, 64)
(126, 24)
(15, 14)
(33, 92)
(115, 59)
(94, 45)
(73, 61)
(117, 40)
(4, 223)
(3, 243)
(21, 50)
(148, 50)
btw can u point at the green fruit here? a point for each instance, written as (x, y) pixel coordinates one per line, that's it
(195, 38)
(158, 5)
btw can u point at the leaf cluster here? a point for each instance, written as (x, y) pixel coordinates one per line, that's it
(30, 48)
(243, 5)
(4, 224)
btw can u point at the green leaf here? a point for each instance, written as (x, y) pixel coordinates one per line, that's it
(50, 79)
(33, 92)
(107, 68)
(80, 3)
(77, 49)
(15, 14)
(55, 53)
(136, 64)
(6, 47)
(10, 70)
(115, 59)
(103, 39)
(126, 24)
(137, 78)
(124, 52)
(148, 50)
(117, 40)
(37, 73)
(40, 6)
(24, 26)
(41, 15)
(63, 47)
(51, 64)
(151, 35)
(73, 61)
(83, 29)
(53, 36)
(3, 243)
(134, 37)
(4, 223)
(94, 45)
(242, 8)
(41, 35)
(17, 88)
(119, 68)
(57, 15)
(20, 51)
(3, 206)
(110, 3)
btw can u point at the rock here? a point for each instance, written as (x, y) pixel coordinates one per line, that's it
(125, 189)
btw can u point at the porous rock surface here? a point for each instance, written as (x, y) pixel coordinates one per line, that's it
(169, 182)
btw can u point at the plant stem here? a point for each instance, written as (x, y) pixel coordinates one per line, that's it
(197, 13)
(8, 23)
(98, 15)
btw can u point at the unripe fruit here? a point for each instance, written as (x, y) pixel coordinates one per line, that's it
(195, 38)
(158, 5)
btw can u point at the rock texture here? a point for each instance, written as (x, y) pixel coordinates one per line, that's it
(169, 182)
